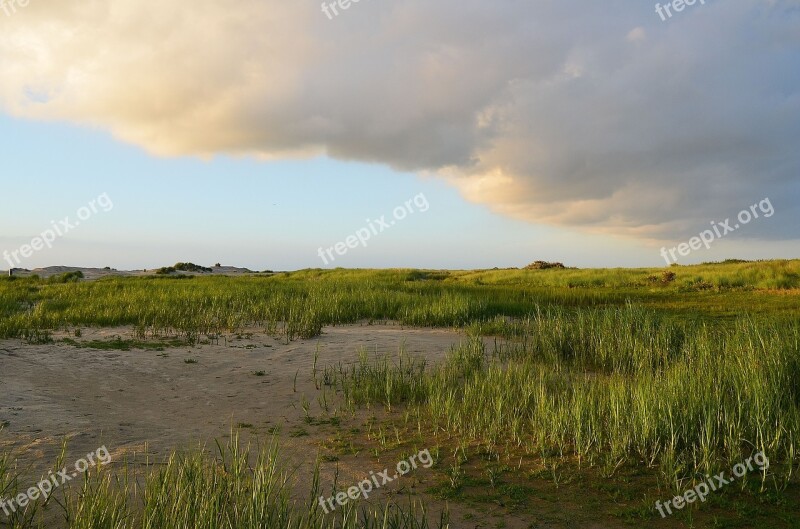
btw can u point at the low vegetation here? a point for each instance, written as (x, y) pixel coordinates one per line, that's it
(544, 265)
(240, 488)
(643, 381)
(607, 386)
(297, 304)
(184, 267)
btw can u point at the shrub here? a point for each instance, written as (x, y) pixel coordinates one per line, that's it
(68, 277)
(183, 267)
(544, 265)
(191, 267)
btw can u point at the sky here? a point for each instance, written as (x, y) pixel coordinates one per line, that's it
(398, 133)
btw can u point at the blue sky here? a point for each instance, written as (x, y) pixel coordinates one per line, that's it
(259, 214)
(246, 212)
(591, 134)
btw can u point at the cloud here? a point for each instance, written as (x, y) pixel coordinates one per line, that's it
(596, 116)
(637, 34)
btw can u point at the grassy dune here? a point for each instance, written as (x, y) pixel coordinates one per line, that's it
(610, 374)
(298, 304)
(608, 386)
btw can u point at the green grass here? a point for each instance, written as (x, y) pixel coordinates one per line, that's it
(607, 371)
(239, 488)
(7, 476)
(607, 387)
(297, 305)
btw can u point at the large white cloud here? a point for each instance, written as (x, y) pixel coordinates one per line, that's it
(596, 115)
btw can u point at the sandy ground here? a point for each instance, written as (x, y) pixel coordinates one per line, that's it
(128, 398)
(132, 401)
(150, 402)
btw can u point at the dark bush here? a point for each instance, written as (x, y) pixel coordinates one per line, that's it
(544, 265)
(68, 277)
(191, 267)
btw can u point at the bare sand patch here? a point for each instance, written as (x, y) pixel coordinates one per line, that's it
(137, 400)
(128, 398)
(146, 402)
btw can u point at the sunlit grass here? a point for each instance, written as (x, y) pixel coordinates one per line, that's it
(298, 304)
(604, 367)
(609, 385)
(240, 488)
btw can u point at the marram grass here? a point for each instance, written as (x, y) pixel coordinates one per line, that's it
(240, 488)
(684, 377)
(299, 304)
(610, 385)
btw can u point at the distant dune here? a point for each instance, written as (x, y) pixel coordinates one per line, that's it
(96, 273)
